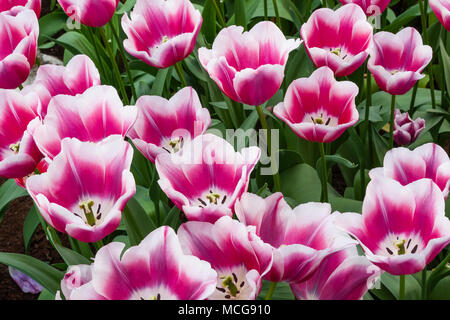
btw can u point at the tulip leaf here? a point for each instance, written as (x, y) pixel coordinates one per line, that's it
(9, 191)
(301, 183)
(239, 13)
(282, 291)
(126, 7)
(138, 224)
(413, 289)
(173, 218)
(345, 205)
(446, 65)
(46, 295)
(70, 257)
(160, 80)
(46, 275)
(51, 24)
(209, 21)
(29, 226)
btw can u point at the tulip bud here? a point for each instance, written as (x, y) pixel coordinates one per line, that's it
(406, 130)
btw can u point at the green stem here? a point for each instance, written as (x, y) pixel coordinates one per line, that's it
(266, 17)
(277, 14)
(391, 123)
(413, 99)
(98, 245)
(324, 173)
(262, 119)
(115, 66)
(271, 290)
(179, 69)
(219, 14)
(124, 59)
(424, 283)
(93, 36)
(444, 42)
(401, 293)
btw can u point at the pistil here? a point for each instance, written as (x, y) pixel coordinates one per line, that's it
(15, 147)
(86, 206)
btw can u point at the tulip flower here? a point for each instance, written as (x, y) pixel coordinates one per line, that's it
(156, 269)
(370, 7)
(34, 5)
(402, 228)
(406, 130)
(319, 108)
(338, 39)
(161, 32)
(300, 238)
(19, 30)
(341, 276)
(406, 166)
(248, 66)
(75, 78)
(240, 258)
(26, 284)
(85, 187)
(441, 9)
(91, 116)
(19, 154)
(163, 125)
(397, 60)
(206, 176)
(41, 167)
(92, 13)
(77, 284)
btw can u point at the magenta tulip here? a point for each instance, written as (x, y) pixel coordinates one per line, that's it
(92, 13)
(41, 167)
(441, 9)
(206, 176)
(406, 131)
(402, 228)
(341, 276)
(161, 32)
(163, 125)
(91, 116)
(19, 30)
(19, 154)
(34, 5)
(338, 39)
(240, 258)
(406, 166)
(370, 7)
(300, 238)
(85, 187)
(319, 108)
(75, 78)
(248, 66)
(397, 60)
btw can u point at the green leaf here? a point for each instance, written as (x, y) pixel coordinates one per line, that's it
(9, 191)
(138, 224)
(413, 290)
(239, 13)
(301, 183)
(126, 7)
(345, 205)
(445, 64)
(46, 295)
(70, 257)
(282, 291)
(29, 226)
(41, 272)
(173, 218)
(51, 24)
(158, 83)
(209, 21)
(441, 291)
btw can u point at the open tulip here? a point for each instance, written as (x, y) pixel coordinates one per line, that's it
(85, 187)
(248, 66)
(206, 176)
(441, 9)
(406, 166)
(370, 7)
(402, 228)
(92, 13)
(75, 78)
(91, 116)
(300, 238)
(406, 130)
(163, 125)
(19, 30)
(240, 258)
(19, 154)
(338, 39)
(41, 167)
(319, 108)
(397, 60)
(161, 32)
(341, 276)
(35, 5)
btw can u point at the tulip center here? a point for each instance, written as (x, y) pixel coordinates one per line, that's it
(230, 286)
(400, 246)
(211, 198)
(394, 72)
(339, 52)
(164, 39)
(320, 119)
(174, 145)
(15, 147)
(90, 212)
(157, 297)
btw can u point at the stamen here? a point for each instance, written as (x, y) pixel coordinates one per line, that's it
(202, 202)
(242, 284)
(221, 289)
(224, 199)
(318, 121)
(328, 121)
(164, 39)
(415, 248)
(15, 147)
(409, 242)
(389, 251)
(234, 277)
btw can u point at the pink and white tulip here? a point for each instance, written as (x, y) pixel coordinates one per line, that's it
(406, 130)
(248, 66)
(156, 269)
(300, 238)
(206, 176)
(85, 187)
(441, 9)
(402, 228)
(163, 125)
(34, 5)
(406, 166)
(240, 257)
(77, 284)
(397, 60)
(341, 276)
(92, 13)
(41, 167)
(161, 32)
(319, 108)
(338, 39)
(91, 116)
(370, 7)
(19, 30)
(19, 154)
(51, 80)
